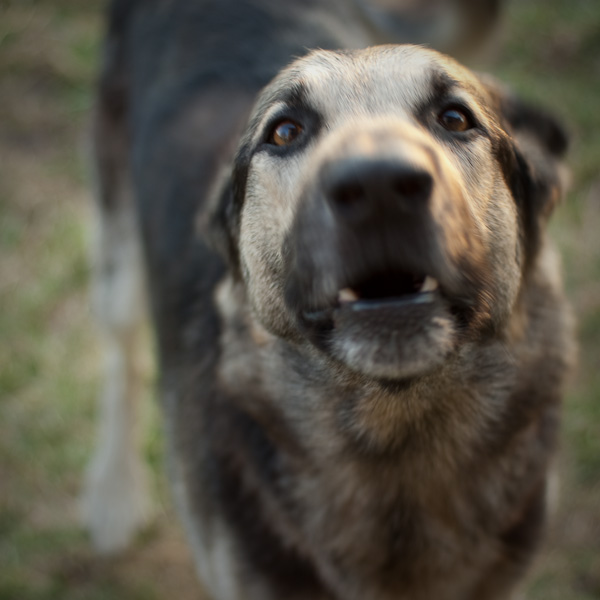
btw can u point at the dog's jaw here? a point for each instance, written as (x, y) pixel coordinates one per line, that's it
(394, 339)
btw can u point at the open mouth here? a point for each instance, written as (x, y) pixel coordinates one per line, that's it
(386, 288)
(388, 325)
(379, 290)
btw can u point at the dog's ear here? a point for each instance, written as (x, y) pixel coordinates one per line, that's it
(219, 225)
(531, 120)
(538, 144)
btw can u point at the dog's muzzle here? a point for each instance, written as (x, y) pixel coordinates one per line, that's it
(369, 274)
(379, 205)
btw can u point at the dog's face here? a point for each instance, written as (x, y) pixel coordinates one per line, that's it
(383, 208)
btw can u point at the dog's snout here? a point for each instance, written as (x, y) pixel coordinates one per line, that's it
(357, 191)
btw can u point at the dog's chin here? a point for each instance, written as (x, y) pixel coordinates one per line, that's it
(387, 339)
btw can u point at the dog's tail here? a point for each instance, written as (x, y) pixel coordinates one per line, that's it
(457, 27)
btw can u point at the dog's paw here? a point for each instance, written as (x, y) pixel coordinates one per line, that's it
(115, 503)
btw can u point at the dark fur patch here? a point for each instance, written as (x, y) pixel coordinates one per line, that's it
(533, 194)
(289, 573)
(539, 123)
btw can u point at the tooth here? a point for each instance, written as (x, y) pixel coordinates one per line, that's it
(347, 295)
(429, 285)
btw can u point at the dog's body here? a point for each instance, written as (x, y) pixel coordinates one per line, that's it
(361, 389)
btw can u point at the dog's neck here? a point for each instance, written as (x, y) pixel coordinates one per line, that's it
(378, 418)
(420, 450)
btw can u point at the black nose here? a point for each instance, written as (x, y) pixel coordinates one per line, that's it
(358, 191)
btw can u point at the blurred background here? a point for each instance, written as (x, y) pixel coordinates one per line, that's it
(50, 360)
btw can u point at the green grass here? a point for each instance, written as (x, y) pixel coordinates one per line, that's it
(49, 355)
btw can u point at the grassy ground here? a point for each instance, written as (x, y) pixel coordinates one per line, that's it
(49, 356)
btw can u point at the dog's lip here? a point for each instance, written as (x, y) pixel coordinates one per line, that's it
(360, 306)
(349, 295)
(353, 299)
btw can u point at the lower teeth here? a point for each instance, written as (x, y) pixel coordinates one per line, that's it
(429, 285)
(347, 295)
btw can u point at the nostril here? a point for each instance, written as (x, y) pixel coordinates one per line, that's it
(415, 186)
(363, 190)
(350, 195)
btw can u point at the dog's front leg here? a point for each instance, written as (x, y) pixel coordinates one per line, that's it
(116, 500)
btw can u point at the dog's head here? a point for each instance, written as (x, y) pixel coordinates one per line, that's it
(386, 205)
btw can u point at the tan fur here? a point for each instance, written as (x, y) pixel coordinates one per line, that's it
(362, 335)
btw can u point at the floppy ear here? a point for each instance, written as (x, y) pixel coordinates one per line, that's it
(219, 226)
(539, 176)
(528, 119)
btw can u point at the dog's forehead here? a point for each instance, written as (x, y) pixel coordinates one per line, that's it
(375, 79)
(369, 80)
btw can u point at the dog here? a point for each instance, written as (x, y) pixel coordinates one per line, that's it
(361, 332)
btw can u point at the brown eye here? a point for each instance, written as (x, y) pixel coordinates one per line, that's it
(285, 133)
(455, 119)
